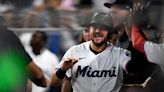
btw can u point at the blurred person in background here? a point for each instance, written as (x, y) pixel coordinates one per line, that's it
(15, 64)
(152, 50)
(42, 14)
(84, 23)
(155, 21)
(4, 6)
(38, 4)
(68, 5)
(85, 35)
(121, 10)
(18, 4)
(43, 58)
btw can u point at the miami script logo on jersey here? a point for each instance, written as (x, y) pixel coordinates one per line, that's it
(87, 71)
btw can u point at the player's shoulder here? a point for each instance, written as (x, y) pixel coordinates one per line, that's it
(84, 45)
(118, 49)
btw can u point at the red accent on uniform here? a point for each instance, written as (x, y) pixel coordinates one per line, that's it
(137, 39)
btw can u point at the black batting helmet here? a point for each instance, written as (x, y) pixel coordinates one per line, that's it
(102, 19)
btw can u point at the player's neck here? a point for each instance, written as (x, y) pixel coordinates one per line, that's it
(97, 49)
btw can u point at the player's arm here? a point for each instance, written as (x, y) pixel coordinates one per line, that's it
(33, 71)
(60, 73)
(124, 58)
(66, 86)
(137, 39)
(154, 52)
(36, 74)
(29, 85)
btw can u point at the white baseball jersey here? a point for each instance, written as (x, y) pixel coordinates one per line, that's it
(155, 53)
(97, 73)
(46, 61)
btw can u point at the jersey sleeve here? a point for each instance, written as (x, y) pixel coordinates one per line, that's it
(137, 39)
(154, 52)
(125, 57)
(67, 54)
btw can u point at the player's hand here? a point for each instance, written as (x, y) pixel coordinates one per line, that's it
(68, 63)
(138, 6)
(48, 82)
(139, 12)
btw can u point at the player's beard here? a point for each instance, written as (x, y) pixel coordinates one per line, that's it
(99, 43)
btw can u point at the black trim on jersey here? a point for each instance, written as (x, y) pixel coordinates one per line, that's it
(95, 52)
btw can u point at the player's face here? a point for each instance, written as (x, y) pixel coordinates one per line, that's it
(37, 41)
(98, 35)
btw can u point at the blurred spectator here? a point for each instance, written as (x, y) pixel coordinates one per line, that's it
(84, 23)
(44, 59)
(85, 35)
(68, 5)
(5, 6)
(18, 4)
(84, 5)
(47, 13)
(21, 4)
(30, 20)
(38, 3)
(53, 3)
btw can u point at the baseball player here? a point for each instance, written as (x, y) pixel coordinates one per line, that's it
(93, 66)
(153, 51)
(137, 77)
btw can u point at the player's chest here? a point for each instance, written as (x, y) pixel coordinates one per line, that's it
(95, 67)
(99, 61)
